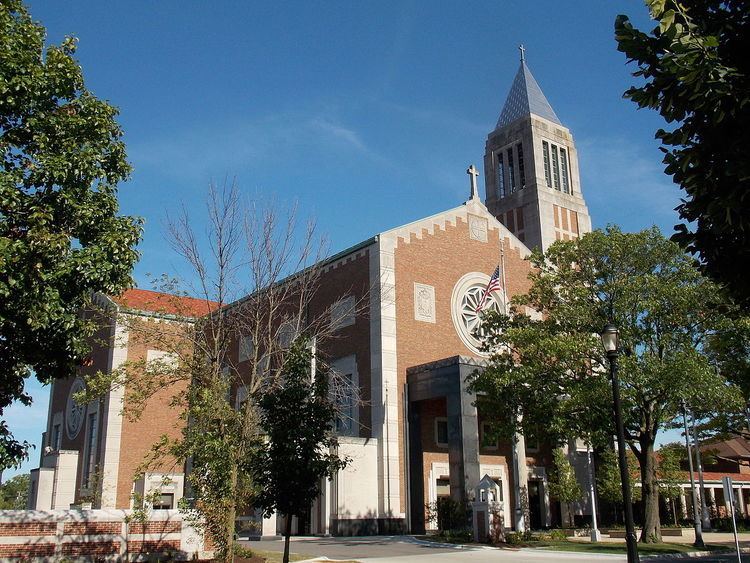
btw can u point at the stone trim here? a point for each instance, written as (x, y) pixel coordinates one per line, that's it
(112, 419)
(451, 217)
(384, 375)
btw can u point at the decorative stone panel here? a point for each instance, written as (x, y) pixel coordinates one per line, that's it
(477, 228)
(424, 302)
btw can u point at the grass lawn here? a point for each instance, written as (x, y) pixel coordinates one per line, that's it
(603, 547)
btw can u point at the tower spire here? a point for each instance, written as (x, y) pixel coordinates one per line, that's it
(531, 178)
(525, 97)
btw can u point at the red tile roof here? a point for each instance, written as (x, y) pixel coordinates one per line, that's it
(164, 303)
(732, 448)
(717, 475)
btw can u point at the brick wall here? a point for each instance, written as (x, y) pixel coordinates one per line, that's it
(56, 534)
(28, 528)
(159, 417)
(441, 259)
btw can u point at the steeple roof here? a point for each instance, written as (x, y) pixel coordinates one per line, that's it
(525, 98)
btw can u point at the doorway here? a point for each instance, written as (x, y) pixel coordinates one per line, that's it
(535, 504)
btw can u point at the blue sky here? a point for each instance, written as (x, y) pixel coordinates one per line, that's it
(366, 113)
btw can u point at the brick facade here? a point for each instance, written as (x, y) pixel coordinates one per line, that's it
(440, 260)
(96, 533)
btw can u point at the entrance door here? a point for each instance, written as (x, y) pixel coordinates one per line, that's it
(535, 504)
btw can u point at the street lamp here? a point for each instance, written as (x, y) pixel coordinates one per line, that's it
(610, 340)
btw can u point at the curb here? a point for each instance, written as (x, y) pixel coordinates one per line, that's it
(695, 554)
(428, 543)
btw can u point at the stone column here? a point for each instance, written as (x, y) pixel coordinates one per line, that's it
(268, 526)
(683, 503)
(326, 498)
(545, 503)
(712, 499)
(738, 500)
(520, 483)
(416, 470)
(463, 446)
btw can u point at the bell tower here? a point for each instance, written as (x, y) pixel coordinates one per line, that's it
(531, 169)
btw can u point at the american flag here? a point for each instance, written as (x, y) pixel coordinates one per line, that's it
(492, 285)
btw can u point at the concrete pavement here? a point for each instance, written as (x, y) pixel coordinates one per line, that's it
(405, 549)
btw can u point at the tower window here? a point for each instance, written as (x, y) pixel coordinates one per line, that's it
(500, 176)
(564, 170)
(555, 168)
(89, 460)
(511, 170)
(56, 437)
(545, 154)
(521, 171)
(345, 405)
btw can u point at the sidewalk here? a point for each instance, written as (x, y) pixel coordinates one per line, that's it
(688, 536)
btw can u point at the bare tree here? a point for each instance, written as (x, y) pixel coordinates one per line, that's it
(255, 273)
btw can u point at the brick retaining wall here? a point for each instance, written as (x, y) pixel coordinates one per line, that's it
(49, 535)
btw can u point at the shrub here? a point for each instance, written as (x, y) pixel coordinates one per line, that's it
(462, 535)
(449, 514)
(514, 538)
(557, 535)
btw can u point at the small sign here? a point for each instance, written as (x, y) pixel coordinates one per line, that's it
(728, 493)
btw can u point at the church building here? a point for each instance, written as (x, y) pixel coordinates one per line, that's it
(414, 435)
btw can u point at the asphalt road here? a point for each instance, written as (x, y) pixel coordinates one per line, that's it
(404, 549)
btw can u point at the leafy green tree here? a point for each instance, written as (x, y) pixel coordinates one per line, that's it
(696, 74)
(608, 482)
(60, 235)
(729, 350)
(563, 485)
(551, 374)
(298, 418)
(14, 493)
(670, 473)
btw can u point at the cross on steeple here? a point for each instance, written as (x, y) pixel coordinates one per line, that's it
(473, 173)
(523, 52)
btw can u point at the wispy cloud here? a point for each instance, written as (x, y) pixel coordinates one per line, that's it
(349, 136)
(195, 152)
(434, 117)
(624, 183)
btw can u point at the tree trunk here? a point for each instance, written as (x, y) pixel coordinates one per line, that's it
(650, 494)
(231, 516)
(287, 534)
(674, 513)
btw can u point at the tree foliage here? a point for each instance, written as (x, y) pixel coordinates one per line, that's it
(14, 493)
(563, 484)
(297, 417)
(670, 473)
(61, 237)
(696, 74)
(609, 483)
(550, 375)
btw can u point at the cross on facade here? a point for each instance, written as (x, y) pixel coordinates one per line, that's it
(473, 173)
(523, 52)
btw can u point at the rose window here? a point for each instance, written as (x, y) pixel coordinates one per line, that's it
(467, 295)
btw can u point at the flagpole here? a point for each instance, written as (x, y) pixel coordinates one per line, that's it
(502, 268)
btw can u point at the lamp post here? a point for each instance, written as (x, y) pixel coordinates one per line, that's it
(610, 341)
